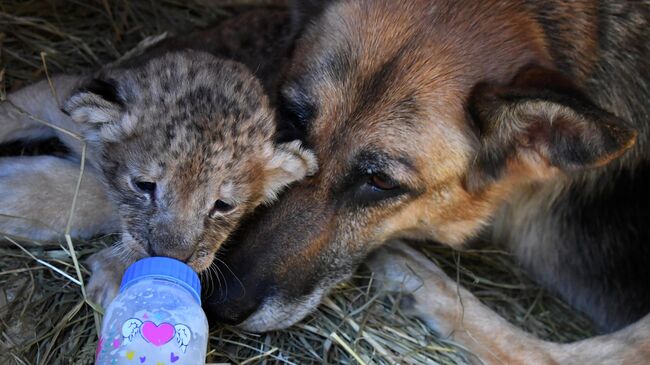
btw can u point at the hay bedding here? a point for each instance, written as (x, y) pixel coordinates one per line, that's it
(43, 316)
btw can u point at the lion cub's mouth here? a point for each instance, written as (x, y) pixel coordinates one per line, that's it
(132, 250)
(201, 263)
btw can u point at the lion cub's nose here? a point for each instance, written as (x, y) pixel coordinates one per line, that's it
(180, 252)
(173, 238)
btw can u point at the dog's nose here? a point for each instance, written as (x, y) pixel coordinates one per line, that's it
(233, 302)
(232, 313)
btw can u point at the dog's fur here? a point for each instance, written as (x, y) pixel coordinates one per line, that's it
(442, 120)
(182, 143)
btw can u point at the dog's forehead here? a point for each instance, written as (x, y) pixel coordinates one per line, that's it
(386, 52)
(388, 73)
(375, 87)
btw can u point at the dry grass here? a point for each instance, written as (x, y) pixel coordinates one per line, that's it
(43, 316)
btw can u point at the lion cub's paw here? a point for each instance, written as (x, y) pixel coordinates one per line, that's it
(104, 283)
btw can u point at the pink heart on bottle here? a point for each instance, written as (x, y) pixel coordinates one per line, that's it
(157, 335)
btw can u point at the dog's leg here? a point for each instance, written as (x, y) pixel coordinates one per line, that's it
(453, 311)
(21, 112)
(36, 195)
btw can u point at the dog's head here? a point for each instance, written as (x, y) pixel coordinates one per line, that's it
(424, 116)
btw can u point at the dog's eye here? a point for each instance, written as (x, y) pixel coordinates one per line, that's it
(378, 187)
(221, 207)
(382, 182)
(145, 187)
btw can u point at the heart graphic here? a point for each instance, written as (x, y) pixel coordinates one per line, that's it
(130, 354)
(157, 335)
(173, 358)
(142, 359)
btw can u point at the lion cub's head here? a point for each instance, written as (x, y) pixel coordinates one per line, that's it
(185, 143)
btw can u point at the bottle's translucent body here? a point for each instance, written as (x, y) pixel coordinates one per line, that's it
(153, 321)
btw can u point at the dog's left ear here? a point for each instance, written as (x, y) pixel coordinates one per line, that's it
(540, 125)
(289, 162)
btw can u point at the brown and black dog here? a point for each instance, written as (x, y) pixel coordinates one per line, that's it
(446, 119)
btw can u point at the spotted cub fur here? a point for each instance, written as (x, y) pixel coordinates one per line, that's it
(182, 147)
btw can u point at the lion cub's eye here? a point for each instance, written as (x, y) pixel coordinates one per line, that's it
(145, 187)
(221, 207)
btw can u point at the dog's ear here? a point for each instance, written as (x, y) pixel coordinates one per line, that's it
(539, 125)
(289, 162)
(100, 105)
(304, 11)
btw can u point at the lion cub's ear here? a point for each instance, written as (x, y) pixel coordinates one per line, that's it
(100, 104)
(289, 162)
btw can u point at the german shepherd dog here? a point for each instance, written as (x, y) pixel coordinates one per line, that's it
(448, 119)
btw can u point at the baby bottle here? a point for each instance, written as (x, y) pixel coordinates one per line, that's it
(157, 317)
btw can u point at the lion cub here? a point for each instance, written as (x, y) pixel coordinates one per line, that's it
(179, 149)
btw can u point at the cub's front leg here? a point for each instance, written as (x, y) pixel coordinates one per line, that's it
(36, 194)
(21, 114)
(107, 267)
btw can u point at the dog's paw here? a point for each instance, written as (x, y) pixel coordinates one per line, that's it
(426, 291)
(400, 268)
(392, 271)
